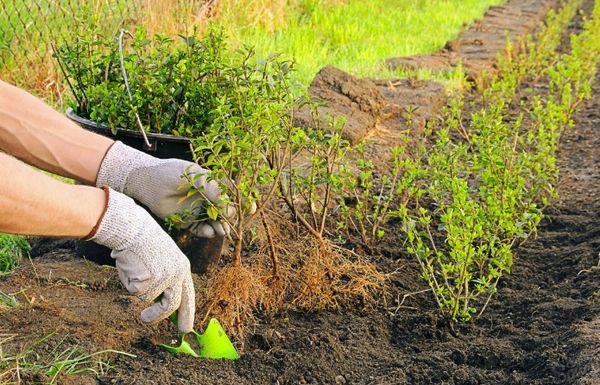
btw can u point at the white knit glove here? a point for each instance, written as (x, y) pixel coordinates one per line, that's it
(149, 262)
(156, 184)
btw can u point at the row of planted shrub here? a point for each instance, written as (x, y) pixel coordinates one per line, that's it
(464, 202)
(482, 187)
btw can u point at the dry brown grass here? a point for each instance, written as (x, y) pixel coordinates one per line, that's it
(170, 17)
(270, 14)
(36, 71)
(37, 74)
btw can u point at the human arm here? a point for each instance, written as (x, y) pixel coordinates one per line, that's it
(40, 136)
(148, 261)
(35, 133)
(33, 203)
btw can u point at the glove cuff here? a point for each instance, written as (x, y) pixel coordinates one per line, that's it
(118, 163)
(121, 223)
(94, 230)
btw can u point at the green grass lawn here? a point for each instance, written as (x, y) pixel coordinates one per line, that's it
(12, 249)
(358, 36)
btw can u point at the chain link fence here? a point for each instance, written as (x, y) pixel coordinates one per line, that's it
(30, 28)
(43, 21)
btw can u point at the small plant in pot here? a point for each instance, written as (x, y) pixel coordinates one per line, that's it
(155, 94)
(132, 82)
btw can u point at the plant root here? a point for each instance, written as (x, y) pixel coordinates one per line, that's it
(233, 294)
(329, 278)
(312, 274)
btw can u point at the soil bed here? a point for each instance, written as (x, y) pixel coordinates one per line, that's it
(543, 327)
(476, 48)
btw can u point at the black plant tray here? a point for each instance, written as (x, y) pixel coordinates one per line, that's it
(203, 253)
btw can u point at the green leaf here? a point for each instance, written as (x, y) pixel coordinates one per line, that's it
(213, 212)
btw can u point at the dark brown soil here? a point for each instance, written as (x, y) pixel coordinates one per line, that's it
(543, 327)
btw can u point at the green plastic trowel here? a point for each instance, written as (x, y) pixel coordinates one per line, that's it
(214, 342)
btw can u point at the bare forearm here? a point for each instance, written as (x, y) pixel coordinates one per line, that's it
(33, 203)
(35, 133)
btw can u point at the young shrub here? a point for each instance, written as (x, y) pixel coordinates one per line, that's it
(373, 193)
(313, 172)
(245, 148)
(328, 276)
(173, 82)
(466, 262)
(246, 142)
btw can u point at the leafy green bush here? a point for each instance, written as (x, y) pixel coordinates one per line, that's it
(480, 195)
(371, 192)
(313, 175)
(245, 143)
(12, 249)
(175, 84)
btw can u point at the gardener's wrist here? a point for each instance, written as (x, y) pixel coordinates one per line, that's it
(121, 222)
(101, 200)
(117, 164)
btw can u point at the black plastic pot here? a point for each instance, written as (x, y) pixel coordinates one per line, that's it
(203, 253)
(161, 145)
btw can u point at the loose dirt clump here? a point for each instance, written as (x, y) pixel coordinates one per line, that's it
(358, 100)
(410, 105)
(410, 102)
(437, 62)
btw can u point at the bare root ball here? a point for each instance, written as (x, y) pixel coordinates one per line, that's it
(331, 278)
(233, 294)
(286, 272)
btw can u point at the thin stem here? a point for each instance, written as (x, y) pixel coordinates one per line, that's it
(272, 252)
(124, 72)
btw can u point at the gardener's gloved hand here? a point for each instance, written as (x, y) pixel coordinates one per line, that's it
(156, 184)
(149, 262)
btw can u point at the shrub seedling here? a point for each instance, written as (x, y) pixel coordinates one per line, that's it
(373, 192)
